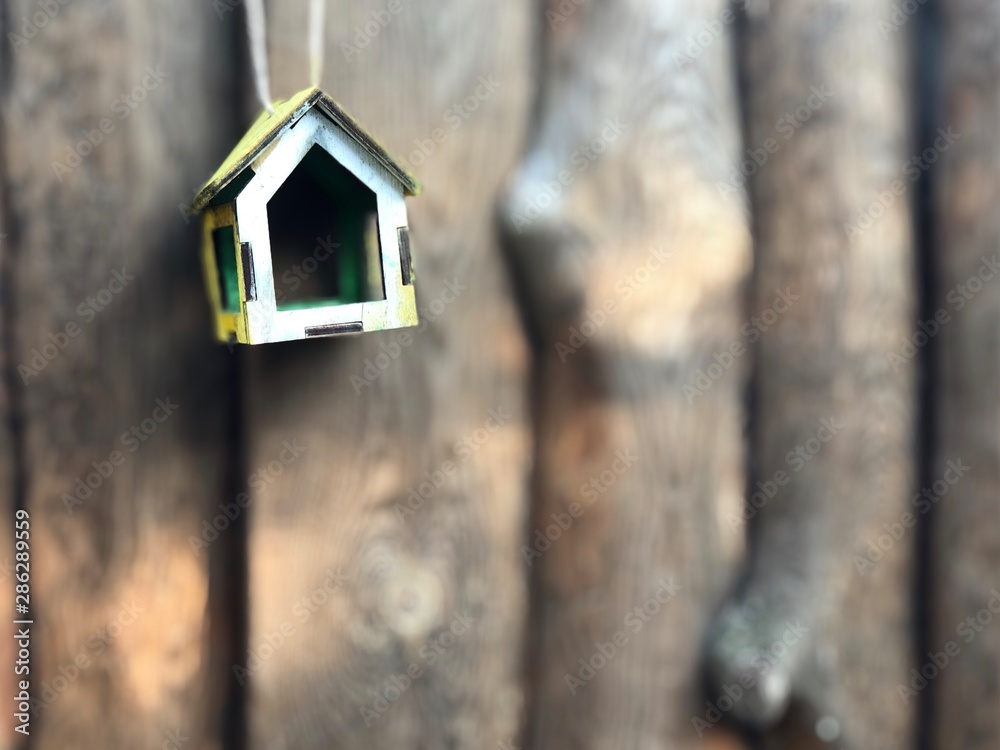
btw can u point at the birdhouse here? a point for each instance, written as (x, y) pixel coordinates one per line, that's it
(305, 231)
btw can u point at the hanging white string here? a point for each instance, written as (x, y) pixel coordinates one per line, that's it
(317, 12)
(256, 30)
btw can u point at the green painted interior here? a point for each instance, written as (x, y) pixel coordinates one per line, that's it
(224, 241)
(318, 221)
(233, 189)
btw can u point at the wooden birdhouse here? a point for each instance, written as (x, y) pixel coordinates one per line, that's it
(305, 230)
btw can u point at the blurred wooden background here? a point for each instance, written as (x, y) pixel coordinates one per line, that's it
(699, 445)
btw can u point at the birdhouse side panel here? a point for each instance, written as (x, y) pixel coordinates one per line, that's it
(400, 297)
(220, 243)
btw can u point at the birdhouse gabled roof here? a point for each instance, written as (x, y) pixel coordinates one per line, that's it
(286, 113)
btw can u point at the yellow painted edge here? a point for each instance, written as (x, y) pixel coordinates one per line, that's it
(225, 322)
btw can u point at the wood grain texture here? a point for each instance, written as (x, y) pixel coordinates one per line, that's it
(365, 580)
(631, 268)
(108, 312)
(966, 536)
(828, 134)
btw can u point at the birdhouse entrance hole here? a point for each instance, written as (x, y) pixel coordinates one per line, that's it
(325, 245)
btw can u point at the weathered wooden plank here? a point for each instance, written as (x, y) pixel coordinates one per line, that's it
(357, 576)
(113, 112)
(966, 603)
(632, 267)
(827, 141)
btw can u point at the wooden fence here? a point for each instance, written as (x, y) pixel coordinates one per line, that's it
(698, 444)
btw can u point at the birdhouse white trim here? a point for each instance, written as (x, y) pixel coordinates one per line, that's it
(307, 203)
